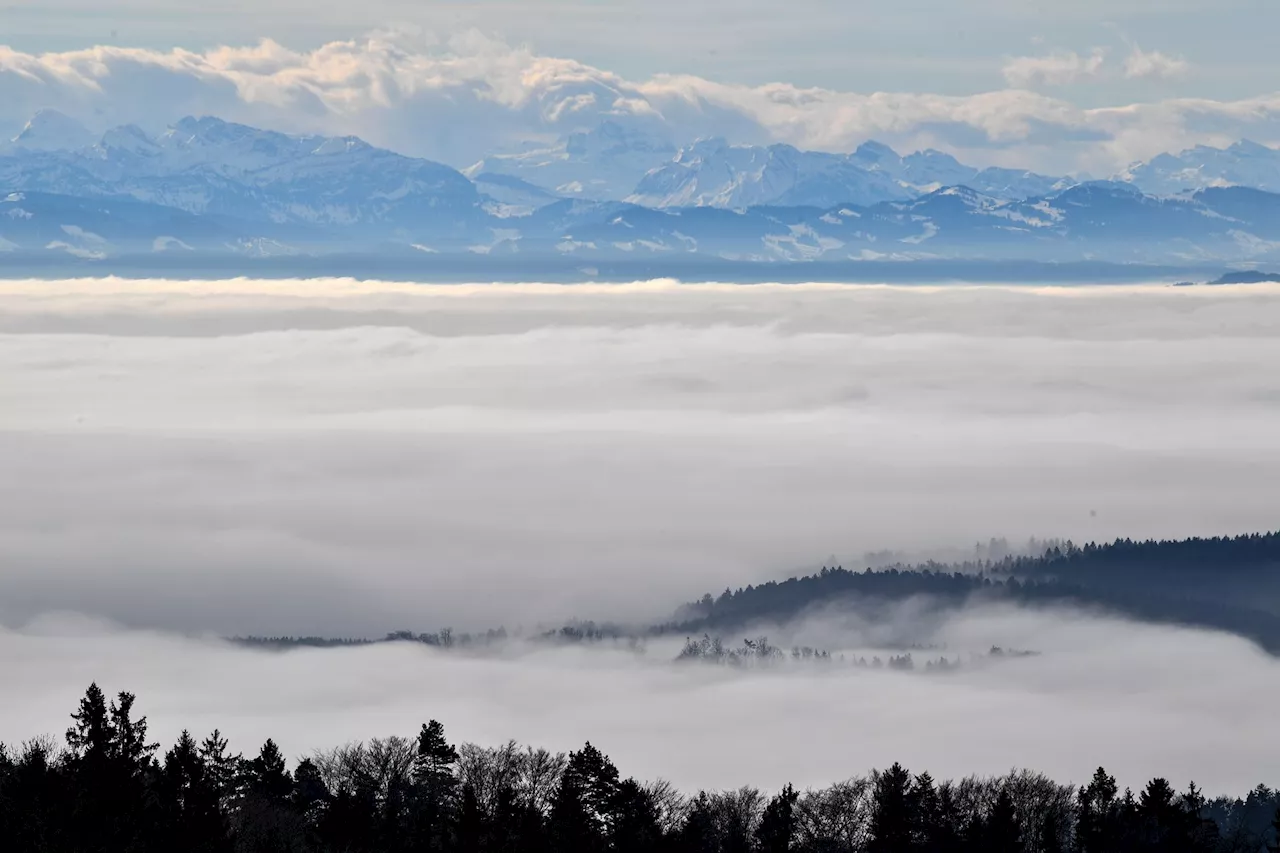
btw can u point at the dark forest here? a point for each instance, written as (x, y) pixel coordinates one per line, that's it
(104, 787)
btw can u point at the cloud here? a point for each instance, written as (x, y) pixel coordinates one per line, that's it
(1060, 68)
(341, 458)
(1140, 64)
(1143, 701)
(467, 96)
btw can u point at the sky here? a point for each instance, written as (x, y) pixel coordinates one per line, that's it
(1088, 86)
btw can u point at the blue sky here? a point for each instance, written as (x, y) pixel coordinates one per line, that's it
(1084, 86)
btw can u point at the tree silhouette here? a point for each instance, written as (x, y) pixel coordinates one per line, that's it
(777, 824)
(1001, 833)
(106, 793)
(892, 814)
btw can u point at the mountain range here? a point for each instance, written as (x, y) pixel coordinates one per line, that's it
(206, 185)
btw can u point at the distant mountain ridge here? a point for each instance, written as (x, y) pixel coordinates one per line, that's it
(207, 166)
(1245, 164)
(214, 186)
(713, 173)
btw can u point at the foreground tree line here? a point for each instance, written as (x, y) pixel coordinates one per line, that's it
(107, 789)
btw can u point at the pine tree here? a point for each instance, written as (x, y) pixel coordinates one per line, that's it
(892, 815)
(129, 736)
(267, 776)
(1097, 811)
(194, 818)
(698, 834)
(433, 764)
(223, 769)
(434, 797)
(777, 824)
(111, 764)
(471, 824)
(1001, 832)
(90, 738)
(634, 822)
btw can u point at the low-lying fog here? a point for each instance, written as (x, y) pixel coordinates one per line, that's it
(327, 457)
(334, 458)
(1142, 700)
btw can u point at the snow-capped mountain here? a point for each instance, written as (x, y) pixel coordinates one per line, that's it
(1244, 164)
(602, 164)
(507, 195)
(211, 167)
(209, 186)
(50, 130)
(1099, 220)
(713, 173)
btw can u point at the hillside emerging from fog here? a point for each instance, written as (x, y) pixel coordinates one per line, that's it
(1226, 584)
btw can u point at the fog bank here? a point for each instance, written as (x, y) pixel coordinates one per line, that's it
(335, 457)
(1141, 700)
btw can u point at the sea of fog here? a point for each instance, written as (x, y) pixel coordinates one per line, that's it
(185, 460)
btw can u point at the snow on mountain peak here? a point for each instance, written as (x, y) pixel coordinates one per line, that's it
(1245, 163)
(50, 130)
(872, 152)
(129, 139)
(340, 145)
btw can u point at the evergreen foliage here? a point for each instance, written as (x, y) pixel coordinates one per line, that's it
(107, 791)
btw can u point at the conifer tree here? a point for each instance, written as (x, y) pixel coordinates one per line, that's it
(777, 824)
(891, 812)
(634, 826)
(1002, 833)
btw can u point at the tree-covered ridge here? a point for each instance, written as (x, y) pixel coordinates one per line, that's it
(104, 788)
(1218, 559)
(1226, 583)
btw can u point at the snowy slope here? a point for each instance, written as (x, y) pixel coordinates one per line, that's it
(209, 166)
(1245, 164)
(713, 173)
(602, 164)
(50, 130)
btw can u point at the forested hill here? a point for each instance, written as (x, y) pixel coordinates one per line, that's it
(1226, 583)
(1251, 561)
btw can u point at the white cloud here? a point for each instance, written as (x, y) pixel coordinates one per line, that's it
(471, 95)
(1153, 64)
(1056, 69)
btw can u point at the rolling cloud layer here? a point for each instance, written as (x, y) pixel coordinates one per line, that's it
(344, 458)
(472, 94)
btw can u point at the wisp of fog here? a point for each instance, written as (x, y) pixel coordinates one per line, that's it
(1143, 700)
